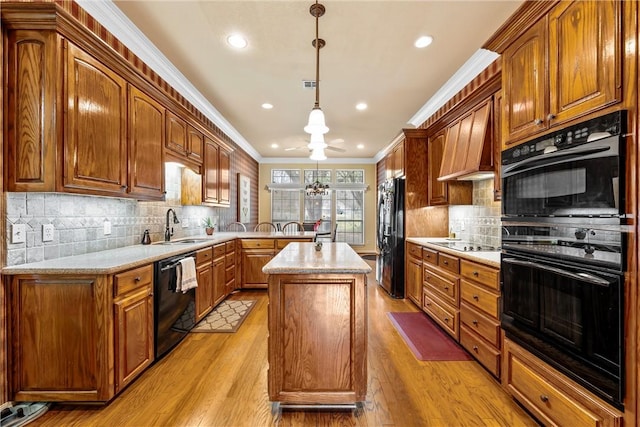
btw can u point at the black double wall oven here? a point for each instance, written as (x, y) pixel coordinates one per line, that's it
(563, 251)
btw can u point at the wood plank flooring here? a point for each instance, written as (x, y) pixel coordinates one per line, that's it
(221, 380)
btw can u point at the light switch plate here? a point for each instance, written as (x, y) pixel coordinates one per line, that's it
(18, 233)
(47, 232)
(107, 227)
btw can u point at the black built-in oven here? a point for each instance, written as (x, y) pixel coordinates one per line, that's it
(563, 252)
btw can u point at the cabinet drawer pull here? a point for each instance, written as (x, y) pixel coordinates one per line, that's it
(428, 277)
(475, 273)
(446, 319)
(138, 278)
(551, 116)
(476, 297)
(446, 288)
(544, 398)
(428, 304)
(475, 322)
(445, 262)
(427, 256)
(475, 348)
(538, 121)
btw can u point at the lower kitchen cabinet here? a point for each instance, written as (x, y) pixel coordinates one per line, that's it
(133, 311)
(413, 273)
(78, 338)
(551, 397)
(230, 266)
(219, 274)
(204, 276)
(256, 253)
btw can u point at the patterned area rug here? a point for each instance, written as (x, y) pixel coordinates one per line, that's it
(227, 317)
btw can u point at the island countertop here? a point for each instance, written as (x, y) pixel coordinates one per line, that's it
(302, 258)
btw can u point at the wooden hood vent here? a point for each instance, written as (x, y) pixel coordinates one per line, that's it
(468, 150)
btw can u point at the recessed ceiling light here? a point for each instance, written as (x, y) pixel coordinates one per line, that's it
(267, 106)
(274, 145)
(361, 106)
(237, 41)
(360, 146)
(423, 41)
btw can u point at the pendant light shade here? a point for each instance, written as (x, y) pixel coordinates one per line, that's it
(316, 122)
(318, 154)
(317, 141)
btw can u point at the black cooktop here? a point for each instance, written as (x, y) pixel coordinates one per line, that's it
(464, 246)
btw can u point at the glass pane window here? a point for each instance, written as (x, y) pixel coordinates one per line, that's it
(350, 216)
(318, 207)
(285, 176)
(350, 176)
(322, 175)
(285, 206)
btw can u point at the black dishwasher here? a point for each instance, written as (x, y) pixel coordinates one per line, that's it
(175, 313)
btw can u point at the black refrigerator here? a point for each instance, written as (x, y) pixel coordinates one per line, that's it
(390, 237)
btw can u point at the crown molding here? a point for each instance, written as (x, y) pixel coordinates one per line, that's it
(117, 23)
(329, 161)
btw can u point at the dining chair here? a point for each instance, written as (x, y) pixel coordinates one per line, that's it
(292, 227)
(236, 226)
(327, 235)
(265, 226)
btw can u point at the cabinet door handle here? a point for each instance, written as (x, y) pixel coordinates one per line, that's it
(476, 297)
(475, 322)
(446, 319)
(475, 273)
(445, 262)
(544, 398)
(475, 348)
(138, 278)
(124, 187)
(551, 116)
(538, 122)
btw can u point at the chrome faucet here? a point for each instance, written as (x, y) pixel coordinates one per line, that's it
(168, 231)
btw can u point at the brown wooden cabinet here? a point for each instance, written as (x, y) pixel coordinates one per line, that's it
(440, 290)
(563, 67)
(211, 181)
(204, 275)
(79, 338)
(256, 253)
(398, 160)
(95, 150)
(146, 135)
(497, 145)
(176, 139)
(195, 144)
(219, 274)
(133, 320)
(230, 266)
(224, 176)
(413, 273)
(550, 396)
(438, 194)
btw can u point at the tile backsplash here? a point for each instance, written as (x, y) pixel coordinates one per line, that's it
(479, 223)
(79, 221)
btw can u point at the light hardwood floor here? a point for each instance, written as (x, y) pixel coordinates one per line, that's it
(221, 380)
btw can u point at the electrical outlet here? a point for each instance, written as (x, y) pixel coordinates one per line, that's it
(185, 223)
(47, 232)
(18, 233)
(107, 227)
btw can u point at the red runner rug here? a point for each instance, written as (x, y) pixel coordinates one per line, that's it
(425, 339)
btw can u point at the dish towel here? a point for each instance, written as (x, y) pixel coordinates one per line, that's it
(186, 275)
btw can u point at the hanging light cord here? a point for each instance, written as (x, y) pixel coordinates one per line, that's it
(317, 10)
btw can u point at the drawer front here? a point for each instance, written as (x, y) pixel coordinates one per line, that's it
(480, 298)
(204, 255)
(230, 274)
(230, 259)
(258, 244)
(486, 327)
(230, 246)
(430, 256)
(482, 274)
(441, 312)
(218, 250)
(414, 250)
(544, 398)
(449, 263)
(488, 356)
(444, 283)
(132, 279)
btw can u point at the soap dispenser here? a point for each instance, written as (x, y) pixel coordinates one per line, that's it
(146, 239)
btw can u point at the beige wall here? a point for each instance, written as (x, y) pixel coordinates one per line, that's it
(264, 199)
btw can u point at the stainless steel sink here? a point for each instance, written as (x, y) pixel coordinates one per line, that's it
(181, 242)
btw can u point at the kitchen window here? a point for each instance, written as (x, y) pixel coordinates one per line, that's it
(342, 206)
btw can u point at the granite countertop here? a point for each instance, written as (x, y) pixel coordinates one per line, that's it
(120, 259)
(490, 258)
(302, 258)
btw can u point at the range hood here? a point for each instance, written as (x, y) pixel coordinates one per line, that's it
(468, 150)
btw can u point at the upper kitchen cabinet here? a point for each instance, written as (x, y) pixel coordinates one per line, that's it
(95, 144)
(195, 144)
(146, 135)
(176, 134)
(211, 181)
(497, 145)
(394, 161)
(565, 66)
(184, 143)
(224, 176)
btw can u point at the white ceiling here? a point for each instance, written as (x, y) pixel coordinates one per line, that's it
(369, 57)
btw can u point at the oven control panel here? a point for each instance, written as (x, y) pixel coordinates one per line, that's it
(582, 133)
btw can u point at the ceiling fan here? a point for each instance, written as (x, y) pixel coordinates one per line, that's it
(328, 147)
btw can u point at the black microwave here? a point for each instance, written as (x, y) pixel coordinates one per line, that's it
(575, 172)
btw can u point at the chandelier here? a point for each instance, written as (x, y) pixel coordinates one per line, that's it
(317, 188)
(316, 125)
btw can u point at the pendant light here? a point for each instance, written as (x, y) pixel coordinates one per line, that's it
(317, 188)
(316, 125)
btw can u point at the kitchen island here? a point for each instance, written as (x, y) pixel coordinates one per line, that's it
(317, 326)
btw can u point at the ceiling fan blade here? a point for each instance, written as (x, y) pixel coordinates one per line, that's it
(295, 148)
(339, 150)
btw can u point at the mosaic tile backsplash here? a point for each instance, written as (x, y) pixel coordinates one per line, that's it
(79, 221)
(478, 223)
